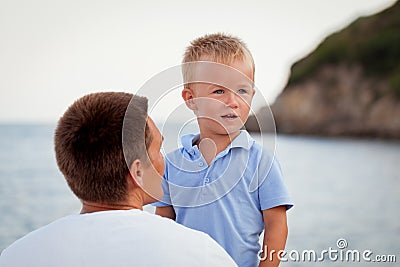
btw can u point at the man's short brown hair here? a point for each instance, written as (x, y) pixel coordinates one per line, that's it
(217, 47)
(89, 144)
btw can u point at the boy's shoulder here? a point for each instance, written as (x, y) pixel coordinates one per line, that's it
(260, 149)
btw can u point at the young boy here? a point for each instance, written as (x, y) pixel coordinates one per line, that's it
(221, 182)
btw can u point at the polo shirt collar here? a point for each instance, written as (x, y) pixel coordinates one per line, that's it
(243, 140)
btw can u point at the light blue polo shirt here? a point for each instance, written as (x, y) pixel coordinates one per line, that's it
(225, 199)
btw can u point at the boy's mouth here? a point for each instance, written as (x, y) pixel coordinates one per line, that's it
(230, 116)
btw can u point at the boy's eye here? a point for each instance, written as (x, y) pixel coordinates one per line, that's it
(242, 91)
(219, 91)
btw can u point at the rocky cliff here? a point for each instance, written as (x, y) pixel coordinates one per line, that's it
(348, 86)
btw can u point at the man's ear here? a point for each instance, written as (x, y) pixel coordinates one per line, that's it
(136, 172)
(187, 95)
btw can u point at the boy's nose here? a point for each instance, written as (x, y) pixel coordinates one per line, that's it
(232, 100)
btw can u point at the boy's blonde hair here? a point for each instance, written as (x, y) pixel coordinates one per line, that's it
(217, 47)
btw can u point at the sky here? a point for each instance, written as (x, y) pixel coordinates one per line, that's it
(53, 52)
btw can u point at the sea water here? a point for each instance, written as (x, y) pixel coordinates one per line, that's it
(343, 189)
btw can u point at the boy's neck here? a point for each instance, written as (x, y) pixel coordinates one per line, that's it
(210, 145)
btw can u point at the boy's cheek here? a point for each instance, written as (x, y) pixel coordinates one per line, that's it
(249, 99)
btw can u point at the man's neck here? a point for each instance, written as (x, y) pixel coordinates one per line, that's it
(89, 207)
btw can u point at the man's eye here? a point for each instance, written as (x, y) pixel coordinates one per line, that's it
(219, 91)
(242, 91)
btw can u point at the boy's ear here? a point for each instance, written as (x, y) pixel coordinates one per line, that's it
(136, 172)
(187, 95)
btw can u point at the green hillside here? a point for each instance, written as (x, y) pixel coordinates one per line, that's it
(372, 42)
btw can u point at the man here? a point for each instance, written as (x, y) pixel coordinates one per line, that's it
(108, 150)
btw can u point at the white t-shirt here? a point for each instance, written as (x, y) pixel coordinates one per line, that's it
(115, 238)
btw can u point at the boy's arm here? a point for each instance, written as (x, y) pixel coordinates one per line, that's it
(167, 211)
(275, 234)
